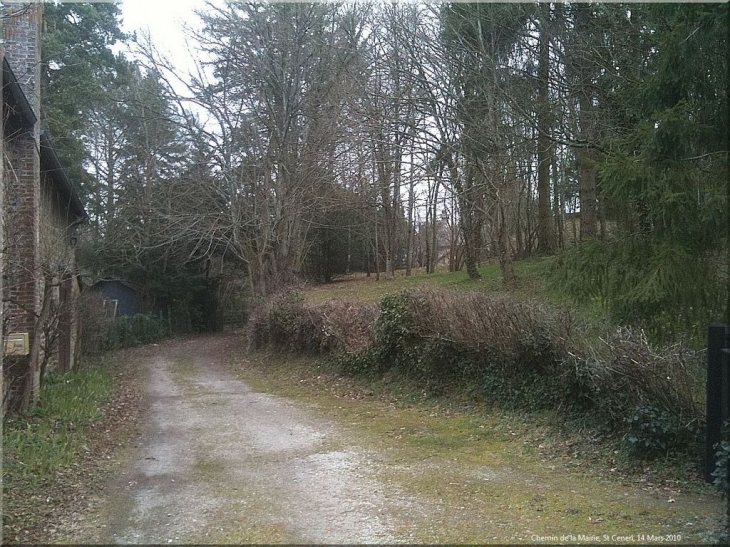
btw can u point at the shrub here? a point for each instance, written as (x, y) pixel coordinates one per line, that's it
(140, 329)
(346, 327)
(721, 476)
(653, 432)
(448, 336)
(721, 473)
(283, 322)
(632, 374)
(95, 323)
(362, 363)
(530, 391)
(286, 322)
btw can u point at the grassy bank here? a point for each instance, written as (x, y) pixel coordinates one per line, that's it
(54, 457)
(360, 288)
(37, 446)
(532, 286)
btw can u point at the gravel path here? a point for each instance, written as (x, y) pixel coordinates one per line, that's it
(217, 462)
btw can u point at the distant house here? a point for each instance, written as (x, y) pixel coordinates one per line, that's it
(41, 212)
(120, 299)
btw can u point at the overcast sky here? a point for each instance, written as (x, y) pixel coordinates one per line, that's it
(164, 20)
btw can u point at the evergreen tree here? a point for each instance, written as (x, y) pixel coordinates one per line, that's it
(666, 173)
(79, 68)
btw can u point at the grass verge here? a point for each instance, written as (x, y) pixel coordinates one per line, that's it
(489, 474)
(359, 288)
(37, 446)
(54, 458)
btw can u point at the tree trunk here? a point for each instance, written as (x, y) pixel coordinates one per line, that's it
(471, 260)
(557, 204)
(509, 278)
(545, 234)
(518, 229)
(368, 258)
(377, 249)
(601, 215)
(32, 379)
(435, 227)
(384, 168)
(454, 244)
(587, 176)
(428, 240)
(585, 155)
(469, 226)
(349, 250)
(411, 204)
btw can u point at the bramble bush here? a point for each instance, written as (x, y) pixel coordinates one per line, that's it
(486, 331)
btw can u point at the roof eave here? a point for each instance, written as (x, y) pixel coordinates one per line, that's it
(21, 107)
(51, 165)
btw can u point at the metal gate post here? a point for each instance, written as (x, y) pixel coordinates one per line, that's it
(717, 392)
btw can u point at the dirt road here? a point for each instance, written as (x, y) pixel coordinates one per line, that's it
(218, 462)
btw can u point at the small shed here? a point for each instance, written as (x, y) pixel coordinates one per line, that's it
(121, 299)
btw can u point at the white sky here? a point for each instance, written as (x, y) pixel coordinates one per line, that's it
(164, 20)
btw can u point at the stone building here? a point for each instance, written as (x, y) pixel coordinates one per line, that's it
(40, 214)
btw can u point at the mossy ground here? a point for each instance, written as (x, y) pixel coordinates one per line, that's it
(485, 475)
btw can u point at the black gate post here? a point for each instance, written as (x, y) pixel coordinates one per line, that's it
(717, 393)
